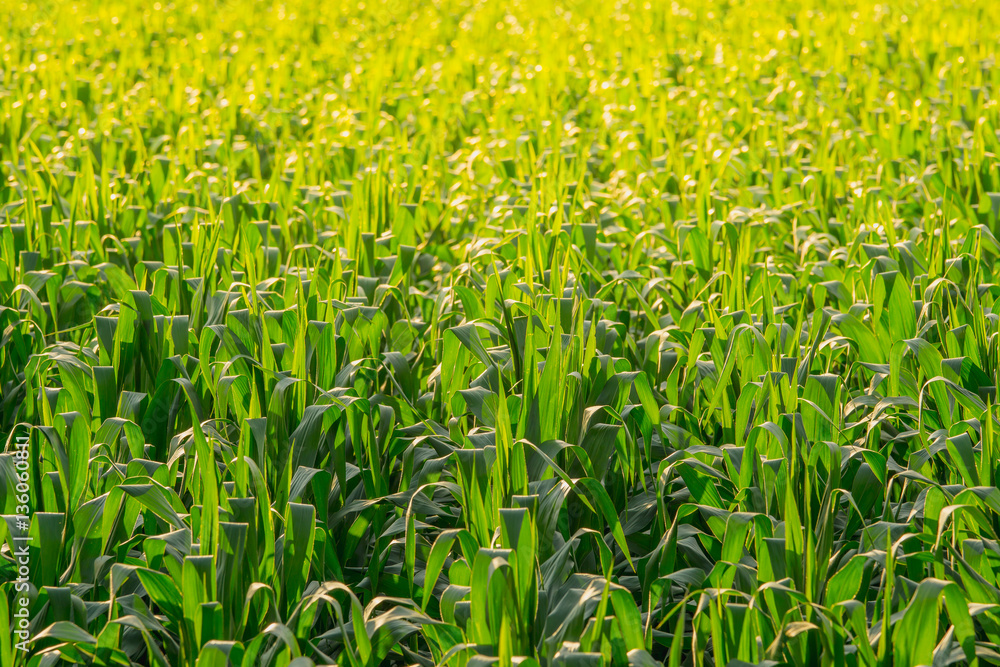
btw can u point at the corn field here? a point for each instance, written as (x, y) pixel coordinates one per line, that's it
(459, 333)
